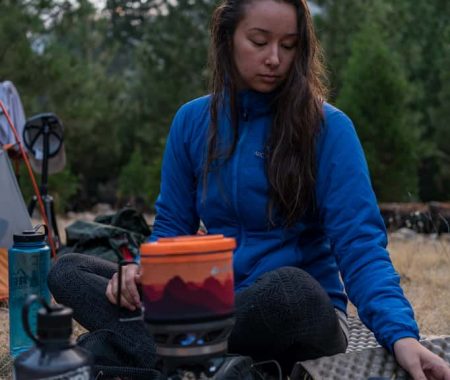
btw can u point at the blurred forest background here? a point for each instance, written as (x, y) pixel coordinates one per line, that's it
(116, 71)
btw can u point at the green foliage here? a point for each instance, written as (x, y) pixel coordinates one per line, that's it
(170, 69)
(335, 27)
(440, 118)
(134, 178)
(63, 186)
(418, 34)
(116, 77)
(374, 94)
(139, 179)
(128, 17)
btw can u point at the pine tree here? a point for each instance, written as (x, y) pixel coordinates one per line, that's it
(418, 33)
(374, 94)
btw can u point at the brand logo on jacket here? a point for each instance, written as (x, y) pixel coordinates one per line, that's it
(260, 154)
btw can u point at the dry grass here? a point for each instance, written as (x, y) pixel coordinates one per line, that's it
(424, 266)
(4, 343)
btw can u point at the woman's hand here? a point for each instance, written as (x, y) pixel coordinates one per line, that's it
(131, 276)
(419, 362)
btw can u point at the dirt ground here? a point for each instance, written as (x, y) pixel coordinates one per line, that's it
(423, 263)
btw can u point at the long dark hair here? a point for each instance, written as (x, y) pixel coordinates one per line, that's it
(291, 159)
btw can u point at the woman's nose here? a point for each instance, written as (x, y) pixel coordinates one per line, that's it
(273, 58)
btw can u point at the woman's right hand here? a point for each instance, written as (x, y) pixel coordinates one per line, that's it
(131, 276)
(419, 362)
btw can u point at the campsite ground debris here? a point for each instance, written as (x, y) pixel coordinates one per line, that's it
(5, 360)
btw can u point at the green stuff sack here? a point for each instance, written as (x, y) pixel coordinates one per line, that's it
(111, 237)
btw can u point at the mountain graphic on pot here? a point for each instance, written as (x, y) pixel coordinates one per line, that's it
(188, 278)
(178, 299)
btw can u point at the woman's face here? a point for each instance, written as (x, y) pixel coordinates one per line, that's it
(264, 44)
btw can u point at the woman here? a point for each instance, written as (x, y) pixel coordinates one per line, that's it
(265, 160)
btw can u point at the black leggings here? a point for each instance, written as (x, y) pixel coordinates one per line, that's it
(285, 315)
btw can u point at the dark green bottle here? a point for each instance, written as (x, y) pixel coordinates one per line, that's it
(54, 355)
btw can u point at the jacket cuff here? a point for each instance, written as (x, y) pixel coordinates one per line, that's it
(398, 336)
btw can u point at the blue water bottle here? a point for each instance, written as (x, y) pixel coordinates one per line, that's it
(28, 267)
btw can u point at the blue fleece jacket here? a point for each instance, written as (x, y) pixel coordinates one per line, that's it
(345, 234)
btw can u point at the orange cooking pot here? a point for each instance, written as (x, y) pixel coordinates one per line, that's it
(187, 279)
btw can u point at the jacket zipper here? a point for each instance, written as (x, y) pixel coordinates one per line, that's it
(235, 175)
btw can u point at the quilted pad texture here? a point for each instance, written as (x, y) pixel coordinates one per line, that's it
(364, 359)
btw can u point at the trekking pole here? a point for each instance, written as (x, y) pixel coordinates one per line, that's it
(30, 173)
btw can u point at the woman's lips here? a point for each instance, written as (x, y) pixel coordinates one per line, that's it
(269, 78)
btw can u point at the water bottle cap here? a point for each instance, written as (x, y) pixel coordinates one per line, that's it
(29, 236)
(55, 323)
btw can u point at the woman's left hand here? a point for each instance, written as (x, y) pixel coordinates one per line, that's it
(420, 362)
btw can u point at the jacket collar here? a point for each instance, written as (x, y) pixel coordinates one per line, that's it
(254, 104)
(251, 104)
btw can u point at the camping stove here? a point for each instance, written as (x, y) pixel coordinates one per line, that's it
(199, 346)
(188, 298)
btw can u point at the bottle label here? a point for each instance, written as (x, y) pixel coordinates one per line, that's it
(83, 373)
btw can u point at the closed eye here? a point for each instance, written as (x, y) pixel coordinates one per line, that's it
(288, 47)
(257, 43)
